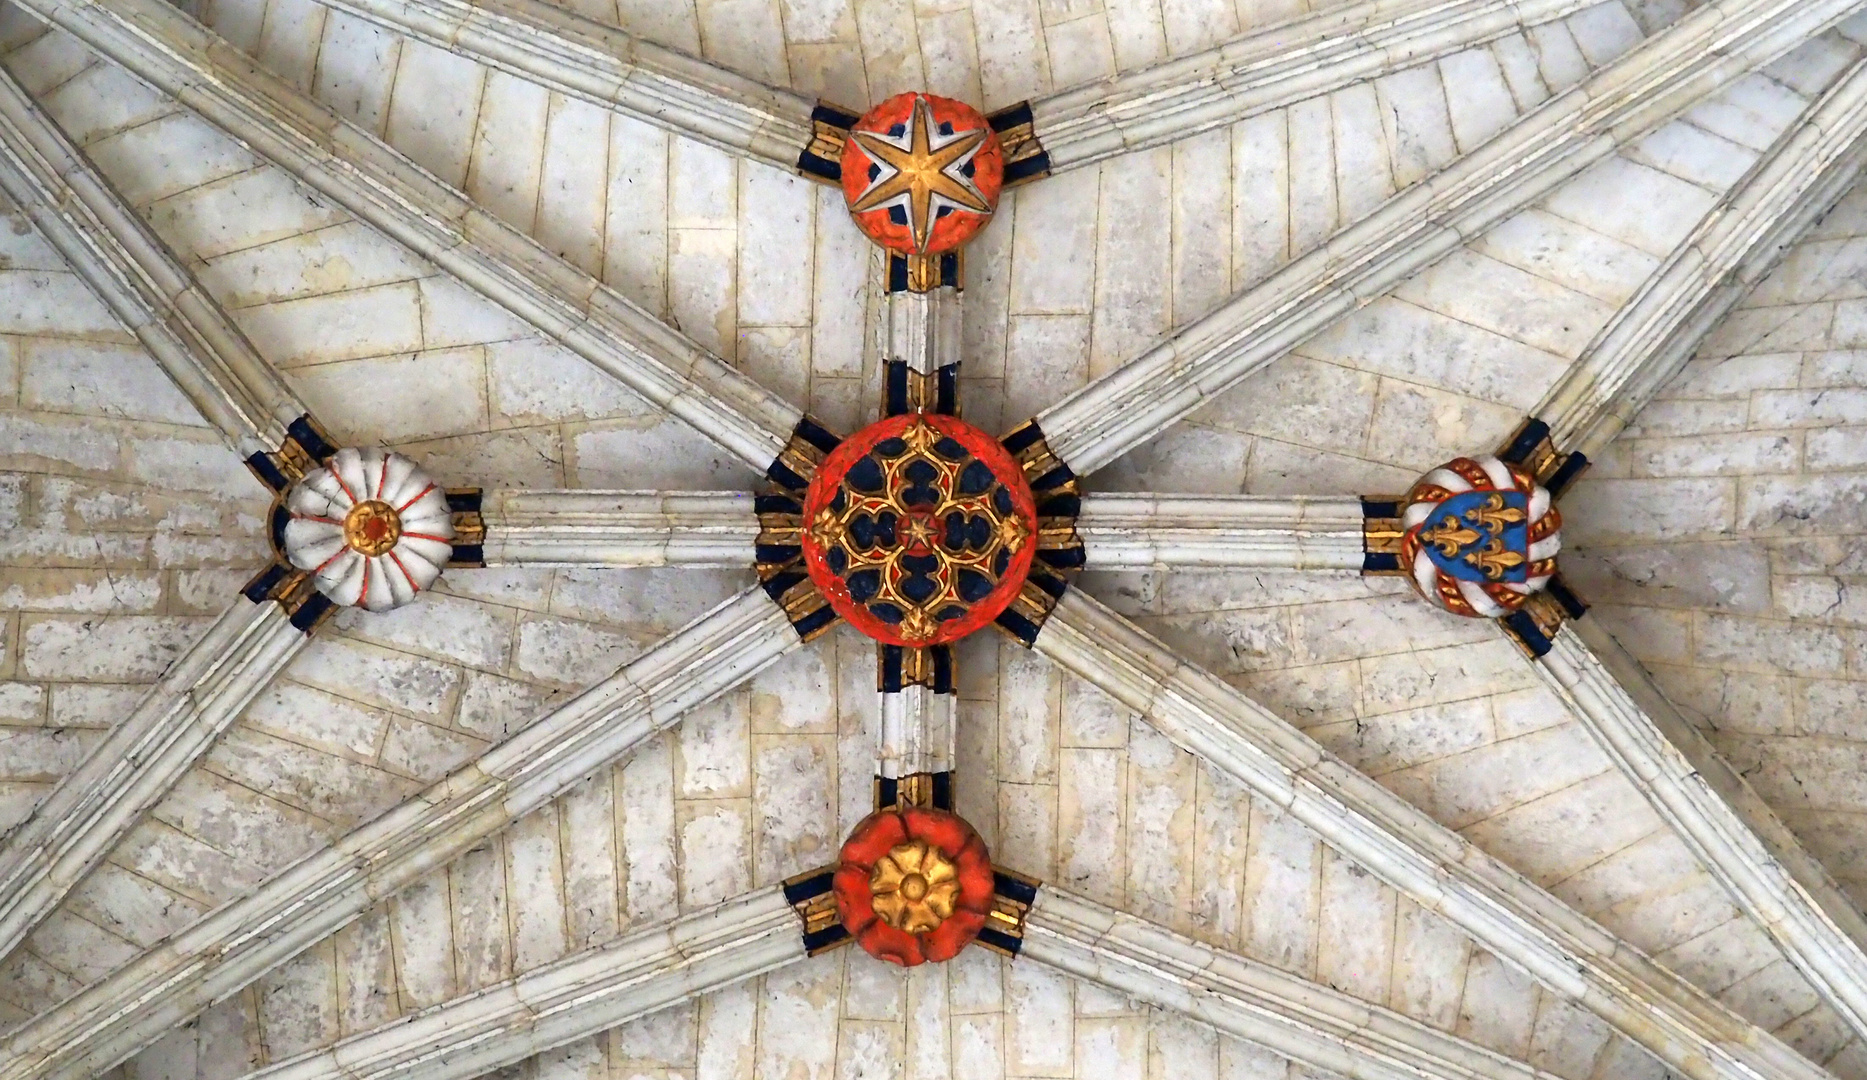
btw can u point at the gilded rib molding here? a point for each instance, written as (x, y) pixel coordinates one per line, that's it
(620, 528)
(1308, 1022)
(1734, 833)
(243, 940)
(1738, 242)
(176, 722)
(585, 59)
(107, 244)
(1140, 532)
(1705, 50)
(1680, 1024)
(1274, 67)
(170, 51)
(581, 995)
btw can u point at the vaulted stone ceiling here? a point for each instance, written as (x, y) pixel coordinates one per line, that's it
(1289, 820)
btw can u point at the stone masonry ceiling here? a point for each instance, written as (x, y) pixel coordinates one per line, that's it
(1006, 539)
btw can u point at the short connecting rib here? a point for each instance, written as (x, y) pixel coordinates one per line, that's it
(1142, 532)
(243, 940)
(1309, 57)
(1310, 1023)
(145, 754)
(1678, 1023)
(576, 997)
(620, 528)
(173, 53)
(143, 284)
(1705, 50)
(1816, 162)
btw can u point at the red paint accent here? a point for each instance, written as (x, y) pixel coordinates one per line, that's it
(876, 836)
(822, 492)
(414, 500)
(956, 227)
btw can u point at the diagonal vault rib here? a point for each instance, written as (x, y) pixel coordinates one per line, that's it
(1681, 1025)
(1705, 50)
(1814, 163)
(178, 56)
(1308, 1022)
(143, 284)
(242, 940)
(80, 822)
(1274, 67)
(588, 992)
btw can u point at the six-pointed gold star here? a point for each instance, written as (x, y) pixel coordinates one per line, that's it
(920, 169)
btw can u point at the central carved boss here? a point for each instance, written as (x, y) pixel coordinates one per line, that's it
(919, 529)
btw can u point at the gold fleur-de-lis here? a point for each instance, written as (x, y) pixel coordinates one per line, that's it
(920, 437)
(1449, 536)
(1493, 516)
(1493, 559)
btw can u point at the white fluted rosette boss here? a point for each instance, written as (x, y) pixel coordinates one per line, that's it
(371, 527)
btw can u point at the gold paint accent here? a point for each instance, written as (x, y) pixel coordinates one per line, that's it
(1449, 536)
(917, 625)
(1493, 559)
(915, 887)
(827, 529)
(920, 172)
(1012, 533)
(914, 789)
(1494, 515)
(372, 528)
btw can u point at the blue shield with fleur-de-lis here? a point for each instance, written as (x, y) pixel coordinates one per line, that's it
(1481, 536)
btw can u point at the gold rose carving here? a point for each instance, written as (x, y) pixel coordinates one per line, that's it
(372, 528)
(914, 888)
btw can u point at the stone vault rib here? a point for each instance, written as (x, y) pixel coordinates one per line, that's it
(1671, 71)
(1140, 532)
(1308, 1022)
(237, 943)
(1290, 62)
(1732, 831)
(620, 528)
(144, 285)
(178, 56)
(1803, 175)
(1274, 67)
(182, 715)
(1681, 1025)
(588, 992)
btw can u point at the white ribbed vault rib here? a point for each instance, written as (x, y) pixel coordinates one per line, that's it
(178, 56)
(91, 809)
(922, 329)
(242, 940)
(1681, 1025)
(1140, 532)
(1737, 837)
(1310, 1023)
(1269, 69)
(918, 728)
(620, 528)
(1673, 70)
(585, 59)
(144, 285)
(1815, 162)
(603, 66)
(589, 992)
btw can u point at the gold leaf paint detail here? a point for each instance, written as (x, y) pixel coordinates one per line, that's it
(1449, 536)
(921, 172)
(371, 528)
(914, 887)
